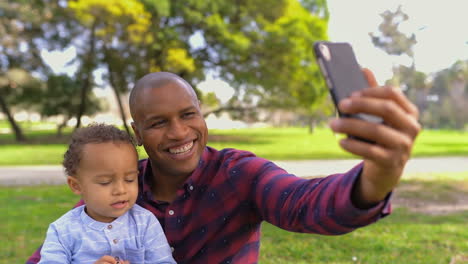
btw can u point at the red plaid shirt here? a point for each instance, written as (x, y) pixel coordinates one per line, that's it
(217, 213)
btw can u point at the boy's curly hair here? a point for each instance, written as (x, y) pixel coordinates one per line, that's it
(94, 133)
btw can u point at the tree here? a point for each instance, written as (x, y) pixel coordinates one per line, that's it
(115, 28)
(18, 88)
(60, 99)
(240, 42)
(390, 39)
(22, 24)
(394, 42)
(262, 52)
(450, 92)
(413, 82)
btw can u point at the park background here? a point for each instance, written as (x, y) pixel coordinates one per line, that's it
(64, 64)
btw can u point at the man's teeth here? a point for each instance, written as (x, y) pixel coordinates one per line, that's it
(181, 149)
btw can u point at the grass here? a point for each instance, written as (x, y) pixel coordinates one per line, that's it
(25, 217)
(405, 236)
(44, 148)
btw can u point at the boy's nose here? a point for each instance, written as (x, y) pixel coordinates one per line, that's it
(119, 188)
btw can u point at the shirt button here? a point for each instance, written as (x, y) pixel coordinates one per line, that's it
(171, 212)
(172, 249)
(109, 227)
(191, 187)
(115, 241)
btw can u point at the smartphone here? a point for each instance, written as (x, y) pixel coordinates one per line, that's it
(342, 74)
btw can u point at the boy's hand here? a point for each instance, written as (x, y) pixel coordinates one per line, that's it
(110, 260)
(385, 160)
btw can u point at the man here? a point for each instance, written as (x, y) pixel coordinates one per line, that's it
(211, 203)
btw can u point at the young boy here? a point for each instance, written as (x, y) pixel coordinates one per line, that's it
(101, 164)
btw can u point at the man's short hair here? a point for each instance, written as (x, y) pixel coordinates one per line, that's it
(94, 133)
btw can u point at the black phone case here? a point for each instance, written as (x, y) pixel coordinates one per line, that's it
(342, 74)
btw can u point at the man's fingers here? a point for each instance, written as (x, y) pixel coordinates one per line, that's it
(369, 77)
(383, 135)
(366, 150)
(393, 115)
(394, 94)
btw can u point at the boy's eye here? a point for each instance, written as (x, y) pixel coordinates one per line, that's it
(104, 183)
(130, 180)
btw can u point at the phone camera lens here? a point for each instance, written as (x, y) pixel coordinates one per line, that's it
(325, 52)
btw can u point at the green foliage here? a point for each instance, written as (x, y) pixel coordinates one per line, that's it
(241, 43)
(390, 38)
(60, 98)
(449, 90)
(262, 48)
(19, 88)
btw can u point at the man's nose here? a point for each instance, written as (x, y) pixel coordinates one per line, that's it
(177, 130)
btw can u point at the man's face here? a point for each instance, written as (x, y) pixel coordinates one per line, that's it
(107, 179)
(170, 125)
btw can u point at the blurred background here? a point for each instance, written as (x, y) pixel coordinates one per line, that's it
(68, 63)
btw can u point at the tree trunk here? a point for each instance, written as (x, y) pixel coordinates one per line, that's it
(19, 136)
(88, 67)
(116, 88)
(61, 126)
(311, 125)
(119, 102)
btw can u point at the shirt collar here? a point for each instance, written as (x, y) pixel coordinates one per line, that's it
(99, 226)
(192, 180)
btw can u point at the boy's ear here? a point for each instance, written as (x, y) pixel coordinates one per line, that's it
(74, 185)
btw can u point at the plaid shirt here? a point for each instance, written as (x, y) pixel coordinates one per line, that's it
(217, 213)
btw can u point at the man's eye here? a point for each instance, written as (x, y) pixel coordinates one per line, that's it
(104, 183)
(158, 123)
(130, 180)
(188, 114)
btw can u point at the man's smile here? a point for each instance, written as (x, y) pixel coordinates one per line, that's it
(182, 149)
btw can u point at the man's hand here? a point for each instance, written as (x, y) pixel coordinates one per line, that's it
(110, 260)
(384, 161)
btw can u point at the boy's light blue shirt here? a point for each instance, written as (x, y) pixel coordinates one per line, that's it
(135, 236)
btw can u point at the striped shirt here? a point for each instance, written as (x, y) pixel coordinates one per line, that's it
(136, 236)
(217, 213)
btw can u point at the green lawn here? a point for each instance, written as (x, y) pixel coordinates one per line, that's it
(271, 143)
(403, 237)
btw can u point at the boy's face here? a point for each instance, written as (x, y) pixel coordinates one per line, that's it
(107, 179)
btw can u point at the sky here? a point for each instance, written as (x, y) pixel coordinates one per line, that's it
(440, 28)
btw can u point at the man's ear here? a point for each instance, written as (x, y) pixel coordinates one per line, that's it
(137, 134)
(74, 185)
